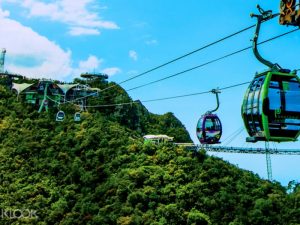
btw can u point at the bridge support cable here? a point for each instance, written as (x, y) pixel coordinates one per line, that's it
(232, 134)
(235, 136)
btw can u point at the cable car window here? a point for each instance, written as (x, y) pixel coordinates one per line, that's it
(260, 86)
(260, 106)
(253, 85)
(292, 124)
(274, 84)
(200, 134)
(256, 95)
(209, 125)
(257, 126)
(254, 110)
(274, 95)
(251, 95)
(292, 96)
(217, 124)
(285, 124)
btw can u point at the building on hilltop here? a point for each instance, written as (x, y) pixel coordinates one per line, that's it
(47, 93)
(156, 139)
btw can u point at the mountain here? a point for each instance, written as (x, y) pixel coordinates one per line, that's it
(100, 171)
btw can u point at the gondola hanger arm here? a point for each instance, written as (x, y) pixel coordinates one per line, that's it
(216, 92)
(262, 17)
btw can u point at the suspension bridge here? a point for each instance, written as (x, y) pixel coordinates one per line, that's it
(242, 150)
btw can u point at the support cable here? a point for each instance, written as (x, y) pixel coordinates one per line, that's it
(166, 98)
(210, 62)
(181, 57)
(180, 96)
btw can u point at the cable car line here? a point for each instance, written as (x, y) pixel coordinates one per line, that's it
(210, 62)
(196, 67)
(166, 98)
(181, 57)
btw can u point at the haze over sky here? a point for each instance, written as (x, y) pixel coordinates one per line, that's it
(61, 39)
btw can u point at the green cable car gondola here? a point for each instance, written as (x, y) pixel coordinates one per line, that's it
(60, 116)
(77, 117)
(271, 106)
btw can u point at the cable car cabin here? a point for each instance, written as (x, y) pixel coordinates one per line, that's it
(60, 116)
(271, 107)
(209, 129)
(77, 117)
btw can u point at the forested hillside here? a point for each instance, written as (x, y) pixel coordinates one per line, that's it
(99, 171)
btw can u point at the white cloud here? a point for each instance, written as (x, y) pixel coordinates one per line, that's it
(91, 63)
(77, 31)
(4, 13)
(111, 71)
(40, 57)
(78, 15)
(133, 55)
(23, 42)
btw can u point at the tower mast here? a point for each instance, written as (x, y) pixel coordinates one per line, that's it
(2, 60)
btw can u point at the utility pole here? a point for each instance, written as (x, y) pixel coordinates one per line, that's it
(2, 60)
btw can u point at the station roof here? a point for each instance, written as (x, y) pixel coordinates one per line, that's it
(66, 87)
(159, 136)
(21, 87)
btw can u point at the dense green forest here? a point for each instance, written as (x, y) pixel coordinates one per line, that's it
(100, 171)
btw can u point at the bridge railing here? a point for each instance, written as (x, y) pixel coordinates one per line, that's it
(240, 150)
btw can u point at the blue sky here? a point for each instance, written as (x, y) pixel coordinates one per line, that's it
(61, 39)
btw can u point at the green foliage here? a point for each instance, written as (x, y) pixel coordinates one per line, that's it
(197, 218)
(99, 171)
(134, 115)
